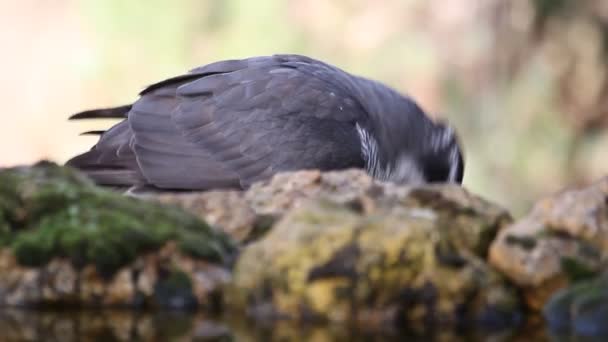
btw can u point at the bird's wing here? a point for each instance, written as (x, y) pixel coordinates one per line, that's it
(235, 122)
(166, 158)
(113, 162)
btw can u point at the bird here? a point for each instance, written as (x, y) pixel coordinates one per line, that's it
(231, 123)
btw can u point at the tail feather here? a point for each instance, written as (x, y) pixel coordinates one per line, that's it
(89, 159)
(93, 132)
(103, 113)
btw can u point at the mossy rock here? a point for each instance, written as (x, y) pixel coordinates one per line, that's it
(405, 266)
(50, 211)
(581, 309)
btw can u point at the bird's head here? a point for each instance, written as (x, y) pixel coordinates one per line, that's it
(431, 154)
(441, 159)
(400, 143)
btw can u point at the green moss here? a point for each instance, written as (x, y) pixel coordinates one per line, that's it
(48, 211)
(576, 270)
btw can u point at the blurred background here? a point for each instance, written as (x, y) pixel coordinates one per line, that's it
(524, 81)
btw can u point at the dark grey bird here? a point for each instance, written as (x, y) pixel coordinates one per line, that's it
(234, 122)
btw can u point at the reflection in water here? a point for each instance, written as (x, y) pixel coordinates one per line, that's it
(24, 325)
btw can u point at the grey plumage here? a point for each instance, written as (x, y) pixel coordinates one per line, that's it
(231, 123)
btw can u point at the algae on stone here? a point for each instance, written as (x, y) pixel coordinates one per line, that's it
(406, 265)
(50, 211)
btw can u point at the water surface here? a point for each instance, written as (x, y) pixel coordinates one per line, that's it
(117, 325)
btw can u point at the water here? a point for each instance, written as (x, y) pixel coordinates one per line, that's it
(110, 325)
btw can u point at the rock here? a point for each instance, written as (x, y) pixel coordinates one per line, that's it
(227, 211)
(167, 278)
(356, 190)
(452, 233)
(65, 241)
(246, 216)
(564, 238)
(336, 246)
(120, 290)
(54, 211)
(351, 249)
(286, 190)
(581, 309)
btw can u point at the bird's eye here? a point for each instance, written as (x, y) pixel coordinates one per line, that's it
(436, 172)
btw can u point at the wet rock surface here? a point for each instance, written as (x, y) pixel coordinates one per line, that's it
(563, 239)
(305, 247)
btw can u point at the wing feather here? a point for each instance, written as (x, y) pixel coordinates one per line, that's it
(263, 120)
(231, 123)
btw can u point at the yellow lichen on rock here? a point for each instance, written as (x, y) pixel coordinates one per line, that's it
(406, 263)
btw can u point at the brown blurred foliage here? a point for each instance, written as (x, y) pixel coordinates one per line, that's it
(524, 81)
